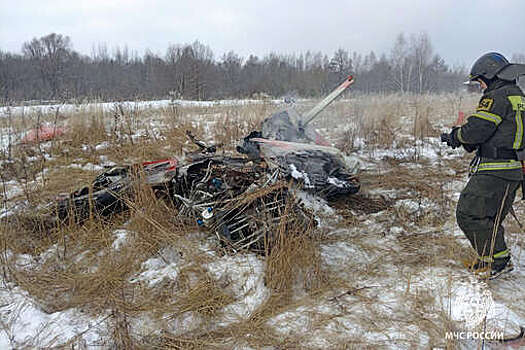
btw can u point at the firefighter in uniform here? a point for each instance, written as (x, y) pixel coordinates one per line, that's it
(495, 132)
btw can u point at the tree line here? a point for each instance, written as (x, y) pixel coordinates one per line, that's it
(48, 68)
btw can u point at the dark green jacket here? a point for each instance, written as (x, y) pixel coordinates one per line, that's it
(496, 128)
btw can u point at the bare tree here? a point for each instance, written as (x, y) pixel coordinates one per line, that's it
(421, 55)
(202, 61)
(231, 67)
(401, 67)
(357, 62)
(51, 52)
(4, 77)
(341, 63)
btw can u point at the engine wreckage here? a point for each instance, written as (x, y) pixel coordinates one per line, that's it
(241, 199)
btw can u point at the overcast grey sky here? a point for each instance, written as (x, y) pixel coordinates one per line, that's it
(460, 30)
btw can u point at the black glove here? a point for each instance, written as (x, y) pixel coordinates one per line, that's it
(452, 138)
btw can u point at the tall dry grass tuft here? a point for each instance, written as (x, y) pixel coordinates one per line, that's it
(76, 274)
(237, 123)
(423, 112)
(121, 339)
(204, 296)
(293, 255)
(87, 129)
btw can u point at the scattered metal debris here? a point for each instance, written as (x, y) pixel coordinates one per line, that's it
(242, 200)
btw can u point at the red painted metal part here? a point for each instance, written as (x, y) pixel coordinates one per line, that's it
(43, 134)
(171, 162)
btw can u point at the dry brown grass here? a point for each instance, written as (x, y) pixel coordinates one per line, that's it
(78, 267)
(294, 258)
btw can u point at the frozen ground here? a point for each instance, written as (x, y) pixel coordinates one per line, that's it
(396, 296)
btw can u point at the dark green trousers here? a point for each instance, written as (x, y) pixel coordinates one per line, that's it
(478, 206)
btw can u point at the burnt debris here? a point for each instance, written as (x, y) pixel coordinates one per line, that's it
(243, 200)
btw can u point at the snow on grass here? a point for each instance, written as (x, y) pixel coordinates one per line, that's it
(414, 206)
(452, 293)
(164, 266)
(242, 274)
(109, 106)
(246, 274)
(121, 240)
(323, 212)
(87, 167)
(11, 189)
(9, 138)
(102, 146)
(340, 255)
(471, 302)
(25, 325)
(5, 141)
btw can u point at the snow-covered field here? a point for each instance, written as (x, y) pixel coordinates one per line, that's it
(108, 106)
(396, 277)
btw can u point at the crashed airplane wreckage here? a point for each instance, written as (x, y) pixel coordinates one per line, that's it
(242, 200)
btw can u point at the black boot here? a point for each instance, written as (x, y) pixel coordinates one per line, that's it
(500, 267)
(492, 270)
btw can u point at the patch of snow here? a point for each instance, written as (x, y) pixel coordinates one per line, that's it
(102, 146)
(317, 204)
(155, 270)
(121, 239)
(11, 189)
(396, 230)
(246, 273)
(470, 300)
(87, 167)
(300, 175)
(24, 325)
(413, 206)
(340, 254)
(336, 182)
(105, 162)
